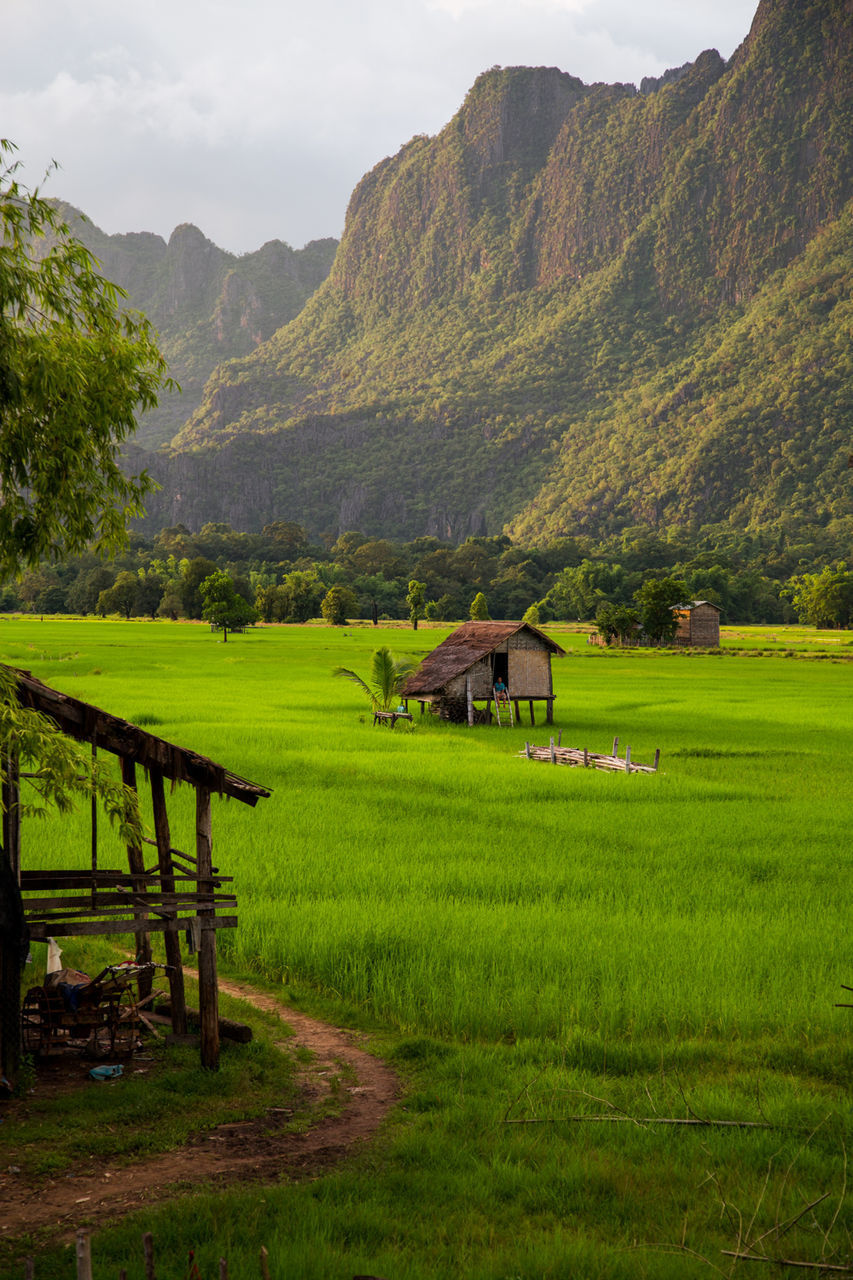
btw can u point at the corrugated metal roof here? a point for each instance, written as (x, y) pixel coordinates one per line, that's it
(462, 648)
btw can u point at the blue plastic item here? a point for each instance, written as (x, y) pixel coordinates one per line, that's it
(105, 1073)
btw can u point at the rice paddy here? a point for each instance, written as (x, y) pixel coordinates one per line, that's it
(519, 936)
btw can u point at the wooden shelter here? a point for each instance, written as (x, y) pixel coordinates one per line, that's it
(463, 670)
(179, 892)
(698, 625)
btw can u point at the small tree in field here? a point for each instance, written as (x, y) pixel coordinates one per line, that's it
(656, 600)
(479, 608)
(387, 675)
(616, 622)
(415, 601)
(223, 605)
(337, 604)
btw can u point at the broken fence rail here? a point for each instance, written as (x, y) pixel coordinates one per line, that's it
(581, 757)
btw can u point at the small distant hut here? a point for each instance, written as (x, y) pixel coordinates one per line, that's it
(463, 670)
(698, 625)
(180, 892)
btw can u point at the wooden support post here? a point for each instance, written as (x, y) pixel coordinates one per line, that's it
(94, 824)
(627, 759)
(532, 718)
(12, 813)
(167, 880)
(585, 758)
(553, 753)
(615, 747)
(527, 749)
(208, 988)
(560, 738)
(136, 864)
(657, 759)
(470, 700)
(549, 711)
(148, 1253)
(84, 1255)
(517, 712)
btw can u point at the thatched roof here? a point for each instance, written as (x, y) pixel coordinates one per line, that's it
(462, 649)
(86, 723)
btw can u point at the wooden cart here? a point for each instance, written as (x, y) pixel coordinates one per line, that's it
(100, 1017)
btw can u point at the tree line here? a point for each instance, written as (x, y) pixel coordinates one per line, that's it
(280, 575)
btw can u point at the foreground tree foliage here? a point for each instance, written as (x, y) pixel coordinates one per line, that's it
(74, 371)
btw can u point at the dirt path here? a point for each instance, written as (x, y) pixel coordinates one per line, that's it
(254, 1150)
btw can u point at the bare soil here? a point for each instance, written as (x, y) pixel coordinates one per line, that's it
(247, 1151)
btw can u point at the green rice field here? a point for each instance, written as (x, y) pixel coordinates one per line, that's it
(526, 943)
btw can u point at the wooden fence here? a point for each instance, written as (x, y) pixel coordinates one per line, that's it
(581, 757)
(192, 1272)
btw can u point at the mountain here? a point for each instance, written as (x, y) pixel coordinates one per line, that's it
(577, 308)
(207, 305)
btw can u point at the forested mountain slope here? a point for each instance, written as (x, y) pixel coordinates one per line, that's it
(207, 305)
(577, 307)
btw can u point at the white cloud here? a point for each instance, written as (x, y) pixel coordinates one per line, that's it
(255, 118)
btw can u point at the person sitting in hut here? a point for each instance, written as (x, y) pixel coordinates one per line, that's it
(501, 691)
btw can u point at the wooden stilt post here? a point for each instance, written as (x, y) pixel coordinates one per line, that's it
(12, 814)
(517, 715)
(553, 753)
(136, 863)
(470, 700)
(657, 759)
(208, 988)
(167, 883)
(532, 719)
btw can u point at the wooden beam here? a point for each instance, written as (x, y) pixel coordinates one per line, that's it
(136, 863)
(173, 946)
(31, 881)
(208, 988)
(40, 931)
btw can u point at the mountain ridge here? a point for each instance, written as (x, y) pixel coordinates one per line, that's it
(207, 304)
(515, 303)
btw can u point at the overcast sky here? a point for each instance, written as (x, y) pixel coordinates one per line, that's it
(254, 119)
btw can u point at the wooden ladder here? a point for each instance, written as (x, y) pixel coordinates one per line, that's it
(507, 706)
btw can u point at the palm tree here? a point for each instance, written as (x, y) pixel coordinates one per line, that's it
(387, 677)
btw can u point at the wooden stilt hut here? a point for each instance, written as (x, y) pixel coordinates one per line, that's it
(463, 671)
(179, 892)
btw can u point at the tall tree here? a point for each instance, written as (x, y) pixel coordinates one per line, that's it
(415, 601)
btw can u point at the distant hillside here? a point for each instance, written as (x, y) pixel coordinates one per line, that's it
(576, 308)
(206, 304)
